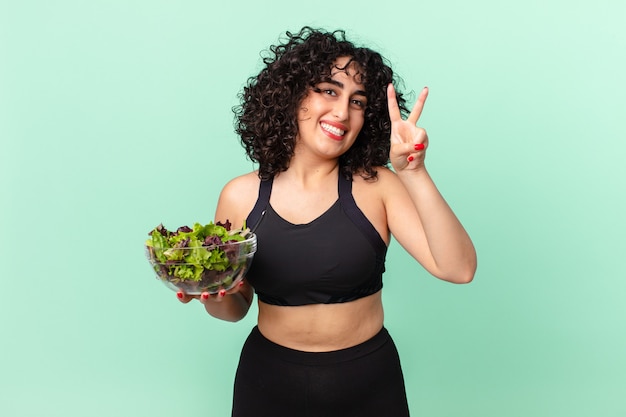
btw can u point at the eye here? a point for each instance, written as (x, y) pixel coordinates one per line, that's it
(325, 89)
(358, 103)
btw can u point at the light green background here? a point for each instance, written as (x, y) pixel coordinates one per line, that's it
(116, 116)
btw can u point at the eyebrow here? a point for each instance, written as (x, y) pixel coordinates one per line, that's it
(340, 85)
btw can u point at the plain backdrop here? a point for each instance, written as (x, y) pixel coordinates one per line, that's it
(116, 116)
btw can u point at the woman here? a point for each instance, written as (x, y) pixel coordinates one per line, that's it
(323, 121)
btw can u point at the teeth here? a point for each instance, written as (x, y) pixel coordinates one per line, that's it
(332, 129)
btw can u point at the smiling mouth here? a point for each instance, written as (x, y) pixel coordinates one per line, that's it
(333, 130)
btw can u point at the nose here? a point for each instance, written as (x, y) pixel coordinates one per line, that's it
(340, 110)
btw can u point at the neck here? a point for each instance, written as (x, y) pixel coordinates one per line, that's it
(311, 174)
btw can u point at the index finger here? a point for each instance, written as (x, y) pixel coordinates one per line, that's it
(392, 104)
(418, 107)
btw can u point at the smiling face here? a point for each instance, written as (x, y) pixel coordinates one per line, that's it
(331, 115)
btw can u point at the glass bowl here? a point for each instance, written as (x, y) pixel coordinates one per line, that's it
(193, 278)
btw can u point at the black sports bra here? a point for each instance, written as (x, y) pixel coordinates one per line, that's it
(337, 257)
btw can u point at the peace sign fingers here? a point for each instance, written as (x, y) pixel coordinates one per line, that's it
(394, 109)
(408, 141)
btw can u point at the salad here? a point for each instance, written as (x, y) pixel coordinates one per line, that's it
(200, 258)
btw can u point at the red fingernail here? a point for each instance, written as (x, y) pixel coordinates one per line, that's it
(241, 283)
(419, 146)
(204, 296)
(410, 158)
(222, 293)
(179, 294)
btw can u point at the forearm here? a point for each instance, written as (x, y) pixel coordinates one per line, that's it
(452, 250)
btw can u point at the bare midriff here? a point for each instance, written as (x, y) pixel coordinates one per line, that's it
(322, 327)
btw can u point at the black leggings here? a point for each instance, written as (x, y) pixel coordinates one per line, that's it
(274, 381)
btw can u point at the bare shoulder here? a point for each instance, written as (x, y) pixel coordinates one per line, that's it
(237, 198)
(385, 178)
(385, 190)
(242, 184)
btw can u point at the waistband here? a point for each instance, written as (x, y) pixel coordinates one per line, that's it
(266, 346)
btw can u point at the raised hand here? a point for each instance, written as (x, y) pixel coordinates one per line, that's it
(408, 141)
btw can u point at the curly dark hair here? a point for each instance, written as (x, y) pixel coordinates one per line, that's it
(266, 119)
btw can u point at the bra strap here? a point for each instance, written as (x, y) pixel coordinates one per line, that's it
(263, 200)
(356, 215)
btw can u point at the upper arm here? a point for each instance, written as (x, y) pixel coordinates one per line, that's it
(237, 199)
